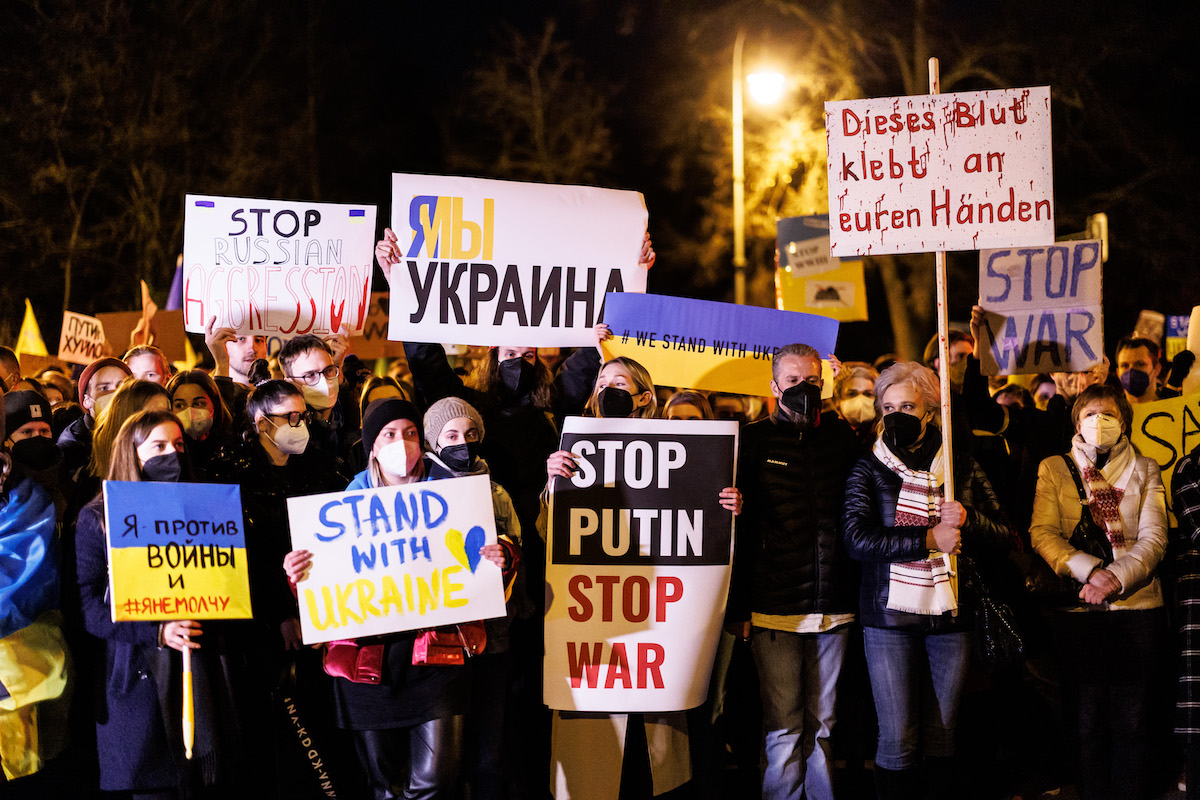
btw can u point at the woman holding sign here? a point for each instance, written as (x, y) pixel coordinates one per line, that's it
(140, 740)
(623, 388)
(408, 721)
(917, 633)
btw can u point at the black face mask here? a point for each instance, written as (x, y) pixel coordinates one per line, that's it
(615, 402)
(804, 401)
(901, 430)
(459, 457)
(37, 453)
(167, 468)
(516, 375)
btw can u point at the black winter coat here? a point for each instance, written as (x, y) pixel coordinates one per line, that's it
(265, 489)
(871, 494)
(790, 558)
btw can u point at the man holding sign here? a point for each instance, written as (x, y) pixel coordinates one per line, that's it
(792, 593)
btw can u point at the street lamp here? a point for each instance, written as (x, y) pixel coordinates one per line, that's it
(765, 88)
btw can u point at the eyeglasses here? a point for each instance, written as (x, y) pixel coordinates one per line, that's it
(294, 418)
(330, 373)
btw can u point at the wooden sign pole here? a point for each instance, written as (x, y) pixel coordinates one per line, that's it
(939, 259)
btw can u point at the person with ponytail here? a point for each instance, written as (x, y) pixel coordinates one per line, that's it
(137, 714)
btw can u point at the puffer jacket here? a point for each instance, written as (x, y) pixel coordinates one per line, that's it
(789, 557)
(871, 493)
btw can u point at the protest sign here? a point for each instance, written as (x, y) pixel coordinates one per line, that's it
(638, 564)
(275, 267)
(809, 280)
(82, 339)
(1167, 430)
(166, 330)
(500, 262)
(932, 172)
(176, 551)
(396, 558)
(1177, 335)
(699, 344)
(1042, 308)
(373, 343)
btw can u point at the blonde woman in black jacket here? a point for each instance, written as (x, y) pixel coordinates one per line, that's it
(917, 632)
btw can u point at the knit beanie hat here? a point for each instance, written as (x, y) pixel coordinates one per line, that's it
(443, 411)
(383, 412)
(91, 369)
(24, 407)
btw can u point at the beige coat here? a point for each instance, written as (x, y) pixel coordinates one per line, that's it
(1056, 511)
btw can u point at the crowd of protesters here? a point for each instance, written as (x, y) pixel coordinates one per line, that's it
(854, 660)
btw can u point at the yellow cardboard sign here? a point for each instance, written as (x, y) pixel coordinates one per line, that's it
(176, 551)
(1166, 431)
(839, 293)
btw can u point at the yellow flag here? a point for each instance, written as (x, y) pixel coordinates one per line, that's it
(190, 359)
(29, 340)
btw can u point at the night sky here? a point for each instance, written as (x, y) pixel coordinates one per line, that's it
(312, 100)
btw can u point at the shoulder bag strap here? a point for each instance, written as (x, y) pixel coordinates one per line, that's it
(1073, 468)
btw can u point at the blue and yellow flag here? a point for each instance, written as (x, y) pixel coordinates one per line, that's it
(699, 344)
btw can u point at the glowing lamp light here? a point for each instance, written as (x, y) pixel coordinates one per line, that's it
(765, 87)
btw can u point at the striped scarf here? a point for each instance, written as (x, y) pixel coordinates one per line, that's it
(1106, 486)
(924, 586)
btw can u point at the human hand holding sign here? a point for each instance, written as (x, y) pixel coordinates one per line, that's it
(561, 464)
(946, 536)
(339, 343)
(180, 634)
(647, 256)
(387, 253)
(216, 339)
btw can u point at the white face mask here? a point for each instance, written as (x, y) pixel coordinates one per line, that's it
(320, 396)
(393, 458)
(196, 422)
(289, 440)
(858, 409)
(1101, 431)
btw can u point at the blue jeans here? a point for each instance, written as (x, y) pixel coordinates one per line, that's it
(917, 681)
(798, 674)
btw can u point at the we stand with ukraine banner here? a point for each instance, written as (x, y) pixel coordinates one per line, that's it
(698, 344)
